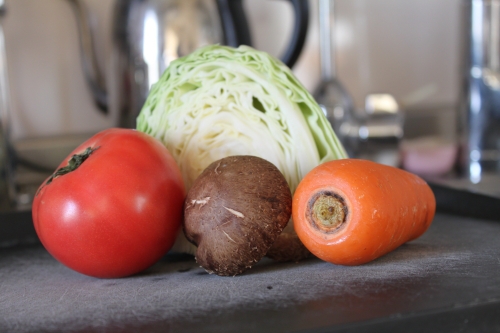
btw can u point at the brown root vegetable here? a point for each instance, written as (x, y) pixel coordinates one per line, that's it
(234, 212)
(288, 247)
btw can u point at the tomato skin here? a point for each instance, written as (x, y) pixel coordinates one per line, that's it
(119, 212)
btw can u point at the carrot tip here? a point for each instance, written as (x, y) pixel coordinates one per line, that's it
(326, 211)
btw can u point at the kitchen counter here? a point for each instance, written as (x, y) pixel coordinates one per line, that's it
(446, 281)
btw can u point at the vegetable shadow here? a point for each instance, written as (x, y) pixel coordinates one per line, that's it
(171, 263)
(267, 265)
(415, 252)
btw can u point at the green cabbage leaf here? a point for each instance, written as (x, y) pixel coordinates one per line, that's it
(221, 101)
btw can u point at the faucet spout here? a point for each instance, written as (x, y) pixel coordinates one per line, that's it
(93, 74)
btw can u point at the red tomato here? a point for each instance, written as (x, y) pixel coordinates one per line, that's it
(118, 212)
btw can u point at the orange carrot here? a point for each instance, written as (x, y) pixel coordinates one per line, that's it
(350, 211)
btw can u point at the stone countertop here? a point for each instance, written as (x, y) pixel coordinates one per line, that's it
(446, 281)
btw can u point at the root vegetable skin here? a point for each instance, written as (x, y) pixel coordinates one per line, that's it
(350, 212)
(235, 211)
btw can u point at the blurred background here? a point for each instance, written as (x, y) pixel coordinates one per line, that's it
(412, 51)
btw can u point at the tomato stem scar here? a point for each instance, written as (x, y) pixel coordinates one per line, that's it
(75, 161)
(326, 211)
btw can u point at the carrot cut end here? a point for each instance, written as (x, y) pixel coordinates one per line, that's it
(326, 211)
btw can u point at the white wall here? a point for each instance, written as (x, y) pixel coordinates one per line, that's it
(409, 48)
(45, 75)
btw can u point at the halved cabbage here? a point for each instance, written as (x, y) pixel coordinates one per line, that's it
(221, 101)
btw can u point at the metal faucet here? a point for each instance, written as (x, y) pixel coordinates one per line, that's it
(7, 188)
(373, 132)
(481, 121)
